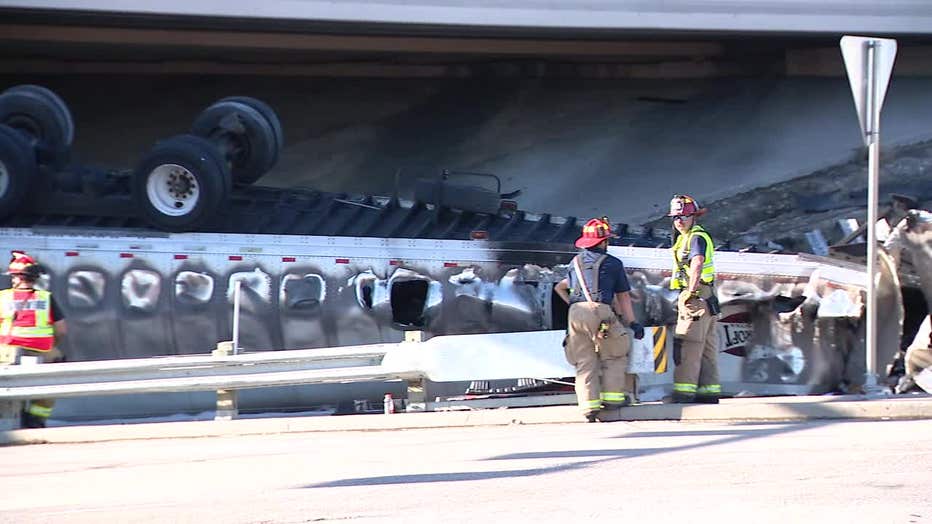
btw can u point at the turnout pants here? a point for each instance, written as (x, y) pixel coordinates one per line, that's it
(919, 354)
(41, 408)
(695, 349)
(601, 363)
(918, 359)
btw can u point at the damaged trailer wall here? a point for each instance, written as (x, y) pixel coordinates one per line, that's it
(140, 296)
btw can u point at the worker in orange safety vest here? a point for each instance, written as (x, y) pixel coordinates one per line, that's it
(30, 324)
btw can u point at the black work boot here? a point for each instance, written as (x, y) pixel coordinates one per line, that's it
(30, 421)
(679, 397)
(617, 405)
(707, 399)
(592, 416)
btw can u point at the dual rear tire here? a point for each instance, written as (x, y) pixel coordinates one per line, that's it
(36, 130)
(43, 118)
(186, 180)
(248, 133)
(18, 169)
(179, 185)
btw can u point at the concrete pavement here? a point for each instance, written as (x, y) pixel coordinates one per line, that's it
(829, 471)
(767, 409)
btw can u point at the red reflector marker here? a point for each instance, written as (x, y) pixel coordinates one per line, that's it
(181, 257)
(450, 264)
(394, 262)
(288, 259)
(479, 235)
(71, 253)
(126, 255)
(235, 257)
(342, 261)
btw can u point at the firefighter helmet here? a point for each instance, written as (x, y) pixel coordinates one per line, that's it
(24, 265)
(595, 232)
(685, 205)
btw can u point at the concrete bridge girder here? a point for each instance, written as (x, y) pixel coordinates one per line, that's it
(732, 16)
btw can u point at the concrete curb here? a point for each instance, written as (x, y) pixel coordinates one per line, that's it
(730, 410)
(784, 409)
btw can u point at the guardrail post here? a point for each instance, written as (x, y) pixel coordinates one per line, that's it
(417, 389)
(11, 411)
(226, 398)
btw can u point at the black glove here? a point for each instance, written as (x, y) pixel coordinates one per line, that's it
(638, 330)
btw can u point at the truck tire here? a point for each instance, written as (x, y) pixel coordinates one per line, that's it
(44, 117)
(270, 116)
(18, 169)
(181, 184)
(55, 100)
(245, 138)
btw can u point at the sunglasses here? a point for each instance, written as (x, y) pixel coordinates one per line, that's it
(681, 218)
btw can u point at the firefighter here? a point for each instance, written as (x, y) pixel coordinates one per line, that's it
(918, 358)
(913, 235)
(900, 205)
(695, 349)
(30, 325)
(597, 343)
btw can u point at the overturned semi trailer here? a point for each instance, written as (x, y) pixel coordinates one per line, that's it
(139, 293)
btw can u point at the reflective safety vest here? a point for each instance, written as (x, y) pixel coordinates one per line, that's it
(27, 319)
(680, 278)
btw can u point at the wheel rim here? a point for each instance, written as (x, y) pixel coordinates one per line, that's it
(172, 190)
(4, 179)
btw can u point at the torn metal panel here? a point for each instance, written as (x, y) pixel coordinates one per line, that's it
(140, 290)
(313, 292)
(194, 288)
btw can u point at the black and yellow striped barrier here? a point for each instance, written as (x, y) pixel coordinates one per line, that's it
(660, 349)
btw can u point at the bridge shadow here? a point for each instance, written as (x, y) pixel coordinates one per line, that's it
(450, 477)
(729, 435)
(596, 456)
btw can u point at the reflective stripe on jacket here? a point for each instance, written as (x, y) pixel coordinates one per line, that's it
(680, 279)
(27, 319)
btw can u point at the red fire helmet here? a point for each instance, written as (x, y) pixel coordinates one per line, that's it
(23, 264)
(685, 205)
(594, 232)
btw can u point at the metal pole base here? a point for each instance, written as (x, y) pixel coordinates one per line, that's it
(873, 388)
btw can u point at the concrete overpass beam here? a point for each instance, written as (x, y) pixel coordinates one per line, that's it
(827, 61)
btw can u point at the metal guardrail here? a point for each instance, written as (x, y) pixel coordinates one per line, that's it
(451, 358)
(224, 372)
(196, 372)
(444, 358)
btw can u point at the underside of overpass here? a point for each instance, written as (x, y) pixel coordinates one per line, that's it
(582, 122)
(134, 41)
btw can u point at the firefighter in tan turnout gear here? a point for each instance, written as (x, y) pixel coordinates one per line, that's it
(30, 323)
(695, 349)
(913, 236)
(597, 343)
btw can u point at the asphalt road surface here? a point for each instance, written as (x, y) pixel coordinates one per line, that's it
(556, 473)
